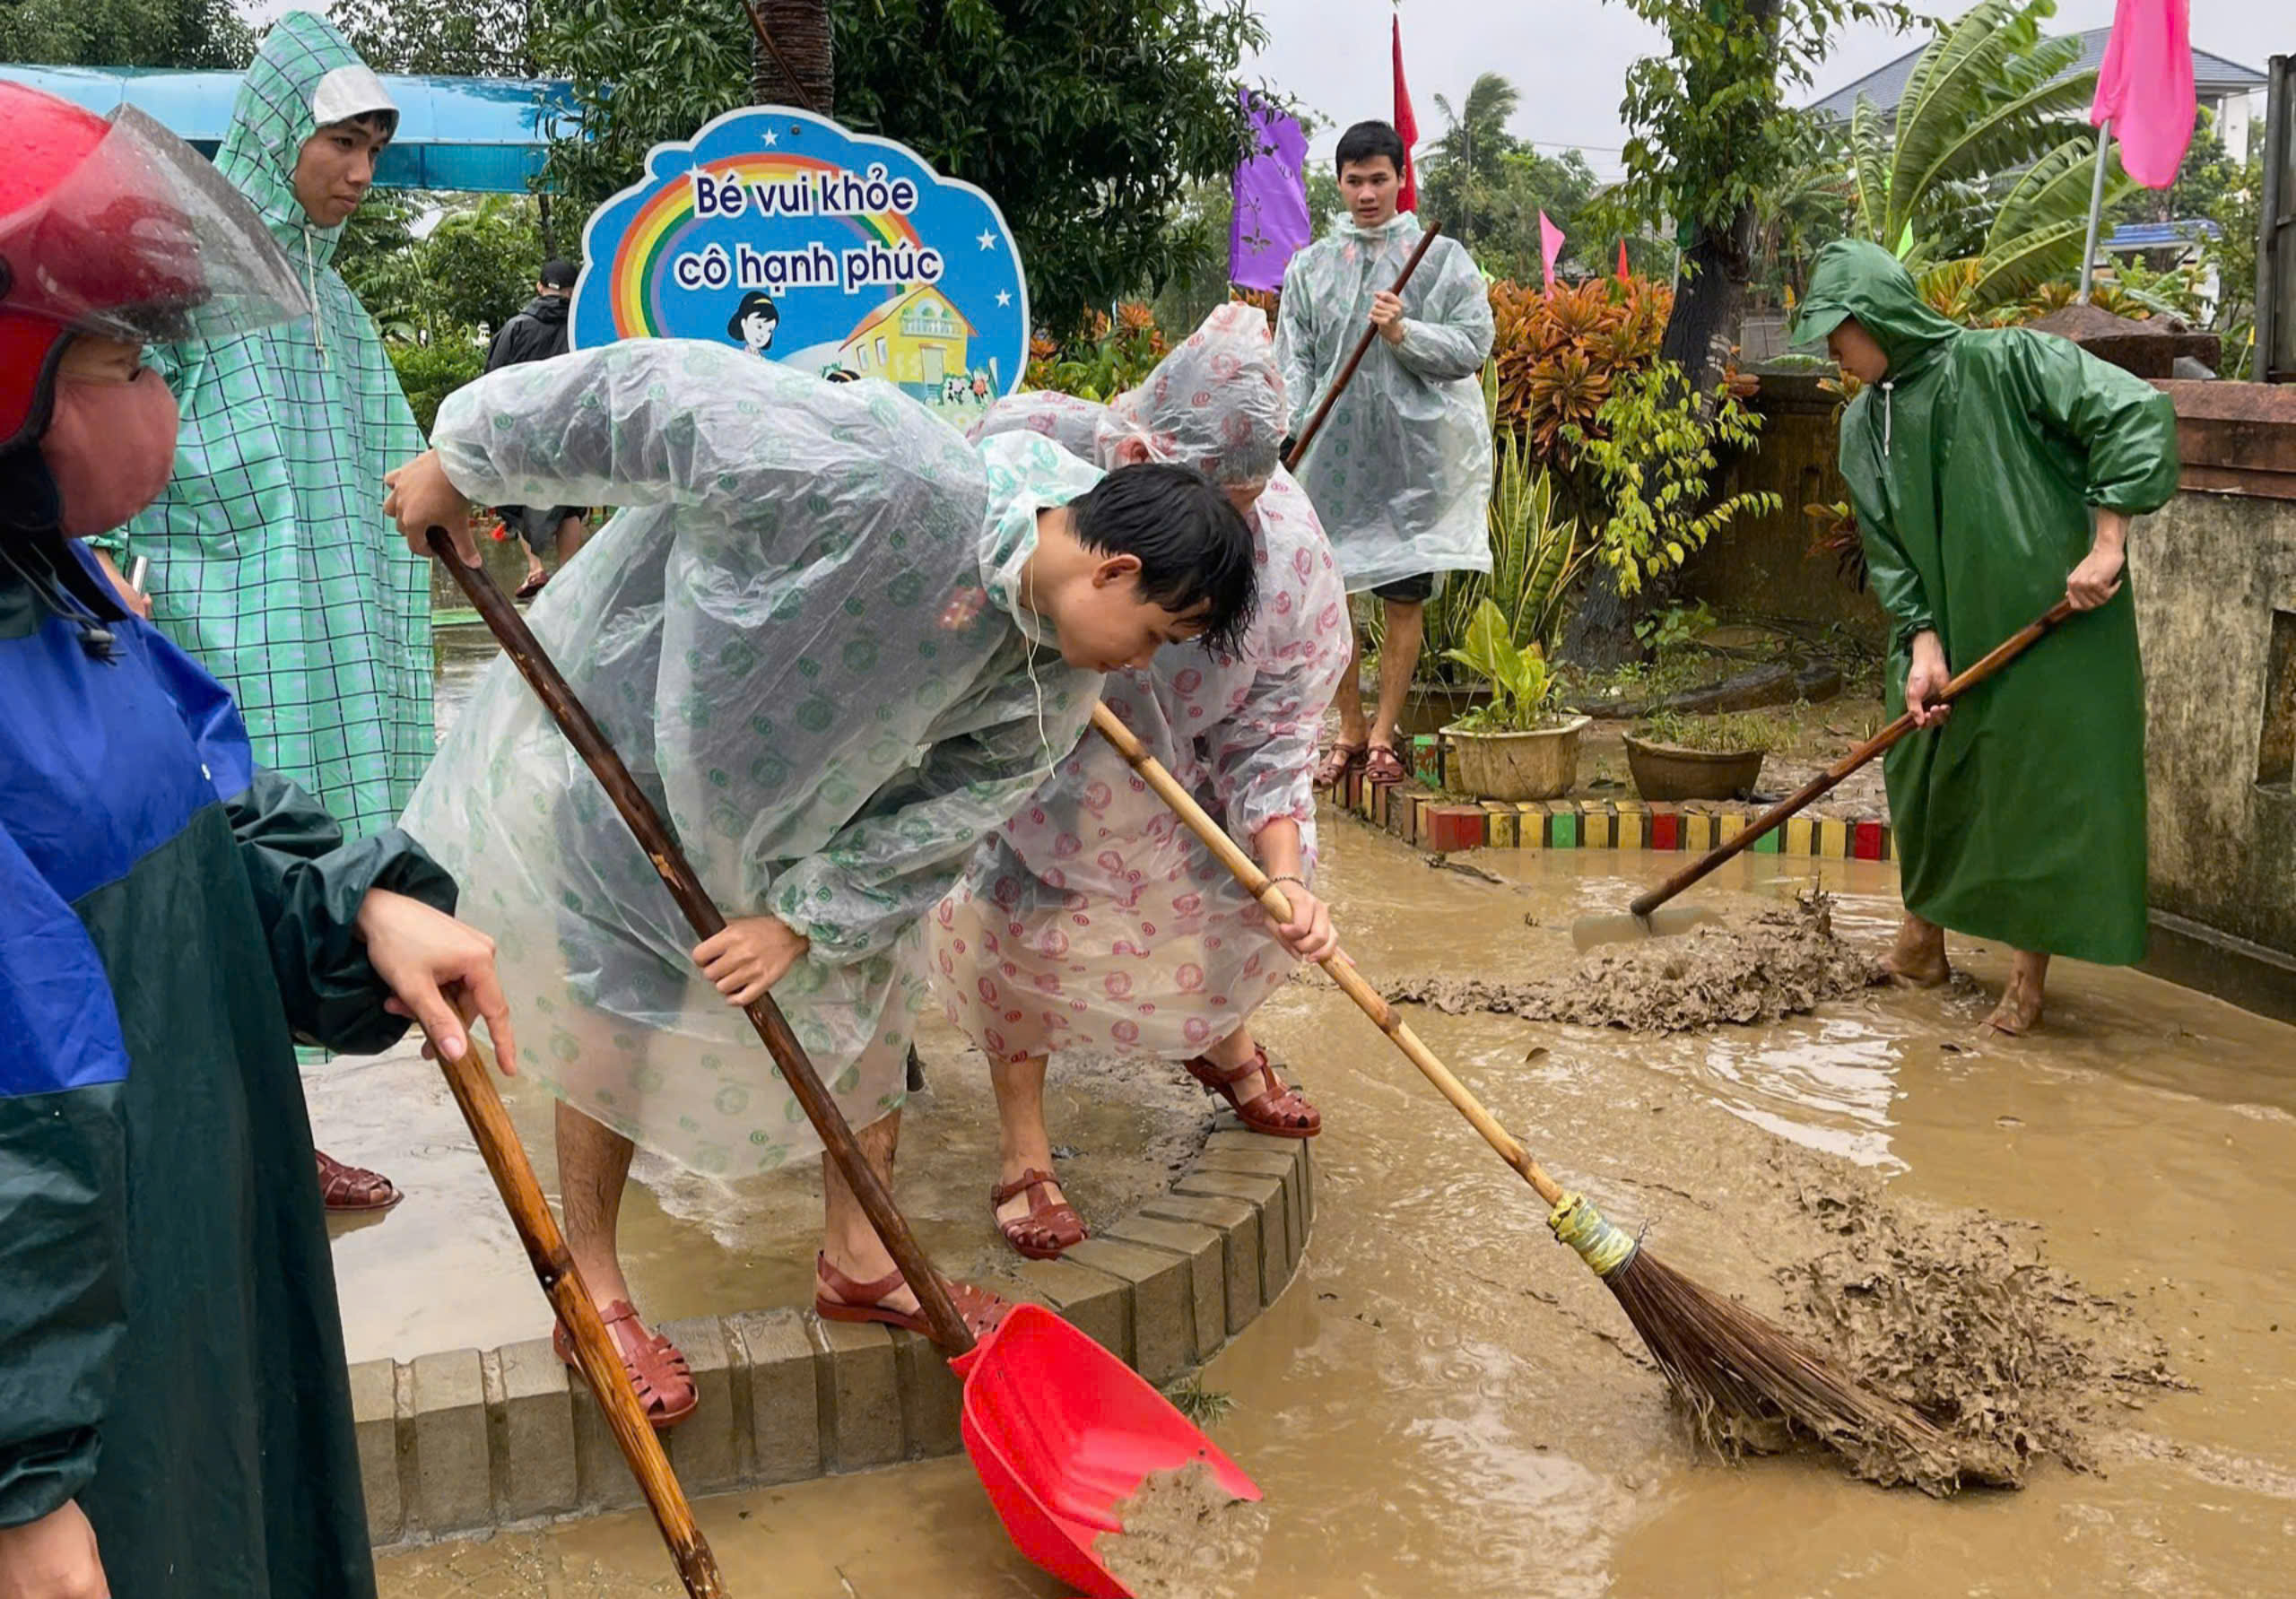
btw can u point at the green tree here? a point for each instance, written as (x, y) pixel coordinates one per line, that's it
(1709, 134)
(1463, 170)
(188, 34)
(474, 39)
(1085, 119)
(1983, 176)
(2206, 183)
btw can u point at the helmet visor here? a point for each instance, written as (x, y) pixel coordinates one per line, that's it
(145, 241)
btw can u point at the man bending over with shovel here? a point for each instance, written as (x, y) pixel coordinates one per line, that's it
(837, 646)
(1993, 474)
(1093, 916)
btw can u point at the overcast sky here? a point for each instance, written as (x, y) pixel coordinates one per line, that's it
(1568, 58)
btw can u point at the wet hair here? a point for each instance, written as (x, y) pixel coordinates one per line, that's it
(1368, 141)
(1193, 547)
(754, 304)
(558, 273)
(382, 124)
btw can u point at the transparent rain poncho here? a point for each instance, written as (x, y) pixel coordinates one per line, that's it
(1401, 471)
(1093, 916)
(804, 636)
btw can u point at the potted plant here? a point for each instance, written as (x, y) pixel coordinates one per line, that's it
(1678, 757)
(1515, 747)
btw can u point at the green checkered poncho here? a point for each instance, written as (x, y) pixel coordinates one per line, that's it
(272, 561)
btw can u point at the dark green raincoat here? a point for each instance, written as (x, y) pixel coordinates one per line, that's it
(170, 1352)
(1972, 468)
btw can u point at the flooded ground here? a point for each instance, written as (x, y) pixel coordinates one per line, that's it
(1446, 1401)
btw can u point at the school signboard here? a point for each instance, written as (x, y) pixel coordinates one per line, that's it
(781, 232)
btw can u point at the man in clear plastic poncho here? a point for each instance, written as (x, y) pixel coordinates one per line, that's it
(1401, 471)
(1993, 474)
(838, 645)
(270, 561)
(1093, 918)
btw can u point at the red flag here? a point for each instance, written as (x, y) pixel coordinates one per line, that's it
(1621, 261)
(2144, 89)
(1407, 126)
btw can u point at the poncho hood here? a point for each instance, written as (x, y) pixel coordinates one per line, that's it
(1027, 473)
(305, 77)
(1855, 277)
(1216, 403)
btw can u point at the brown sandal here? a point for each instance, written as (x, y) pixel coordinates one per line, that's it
(980, 1310)
(1049, 1228)
(1277, 1110)
(657, 1367)
(1338, 762)
(1381, 764)
(353, 1188)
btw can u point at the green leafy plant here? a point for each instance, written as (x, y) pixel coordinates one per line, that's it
(1523, 691)
(1201, 1405)
(1654, 455)
(1737, 734)
(430, 372)
(1674, 627)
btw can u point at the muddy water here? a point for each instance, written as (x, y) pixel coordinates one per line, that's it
(1446, 1401)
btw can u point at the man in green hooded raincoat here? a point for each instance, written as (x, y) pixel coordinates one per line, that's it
(271, 560)
(1995, 473)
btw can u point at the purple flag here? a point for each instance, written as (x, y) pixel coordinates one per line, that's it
(1271, 221)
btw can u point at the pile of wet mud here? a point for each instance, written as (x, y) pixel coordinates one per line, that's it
(1184, 1536)
(1751, 967)
(1957, 1314)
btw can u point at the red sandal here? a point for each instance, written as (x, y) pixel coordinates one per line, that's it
(657, 1366)
(350, 1189)
(1275, 1110)
(980, 1310)
(1049, 1228)
(1382, 765)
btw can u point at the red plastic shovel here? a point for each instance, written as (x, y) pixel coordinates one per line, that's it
(1060, 1431)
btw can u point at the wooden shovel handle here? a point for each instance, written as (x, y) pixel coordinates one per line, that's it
(594, 1349)
(1817, 787)
(1363, 348)
(1337, 966)
(661, 847)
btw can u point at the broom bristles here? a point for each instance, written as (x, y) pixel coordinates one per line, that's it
(1740, 1370)
(1742, 1374)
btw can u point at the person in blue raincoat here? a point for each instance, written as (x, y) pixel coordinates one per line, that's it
(175, 1414)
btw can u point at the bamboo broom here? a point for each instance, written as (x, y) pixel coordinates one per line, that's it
(1728, 1364)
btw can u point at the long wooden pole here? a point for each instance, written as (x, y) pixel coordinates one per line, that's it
(594, 1349)
(1355, 359)
(1341, 970)
(2008, 650)
(661, 847)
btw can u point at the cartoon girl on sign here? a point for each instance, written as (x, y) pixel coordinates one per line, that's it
(754, 322)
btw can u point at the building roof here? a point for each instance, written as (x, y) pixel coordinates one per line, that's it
(2153, 236)
(481, 133)
(2213, 78)
(902, 303)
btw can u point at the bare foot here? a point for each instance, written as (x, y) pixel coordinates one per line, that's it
(1919, 960)
(2020, 1009)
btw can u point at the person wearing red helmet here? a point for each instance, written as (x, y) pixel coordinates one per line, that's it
(175, 1415)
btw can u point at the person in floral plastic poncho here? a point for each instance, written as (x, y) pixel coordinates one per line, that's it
(1093, 916)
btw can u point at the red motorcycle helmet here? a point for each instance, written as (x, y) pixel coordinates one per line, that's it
(115, 228)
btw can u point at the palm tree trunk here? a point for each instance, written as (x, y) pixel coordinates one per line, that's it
(800, 29)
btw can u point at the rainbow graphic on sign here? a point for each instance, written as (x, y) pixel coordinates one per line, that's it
(844, 255)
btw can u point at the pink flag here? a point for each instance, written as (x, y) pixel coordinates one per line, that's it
(2144, 88)
(1550, 246)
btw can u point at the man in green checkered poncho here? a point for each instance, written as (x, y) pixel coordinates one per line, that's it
(271, 560)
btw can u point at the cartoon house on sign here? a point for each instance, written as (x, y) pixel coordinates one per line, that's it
(915, 341)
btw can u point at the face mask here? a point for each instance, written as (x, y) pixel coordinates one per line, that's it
(111, 447)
